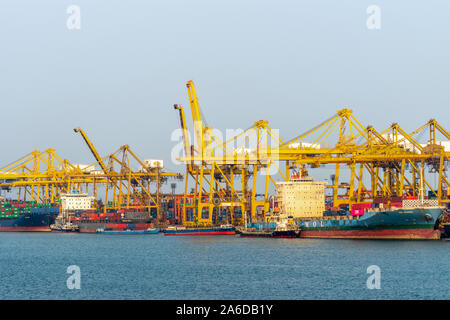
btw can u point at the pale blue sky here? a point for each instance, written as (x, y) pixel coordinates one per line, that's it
(293, 63)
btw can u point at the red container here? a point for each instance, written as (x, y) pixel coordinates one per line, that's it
(397, 204)
(143, 226)
(361, 206)
(357, 212)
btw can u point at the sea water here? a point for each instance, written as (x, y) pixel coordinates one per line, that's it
(38, 266)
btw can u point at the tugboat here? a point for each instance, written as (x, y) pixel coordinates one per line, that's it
(65, 227)
(63, 224)
(445, 224)
(446, 228)
(283, 229)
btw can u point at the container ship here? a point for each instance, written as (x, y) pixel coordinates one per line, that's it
(89, 221)
(187, 231)
(78, 214)
(27, 215)
(303, 200)
(393, 223)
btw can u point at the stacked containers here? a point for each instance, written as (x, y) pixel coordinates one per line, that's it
(358, 209)
(13, 209)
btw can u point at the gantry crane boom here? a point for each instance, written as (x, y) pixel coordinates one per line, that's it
(187, 147)
(93, 150)
(196, 116)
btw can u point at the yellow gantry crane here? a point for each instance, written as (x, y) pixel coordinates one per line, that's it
(392, 159)
(44, 176)
(382, 164)
(41, 176)
(92, 148)
(130, 189)
(227, 171)
(222, 169)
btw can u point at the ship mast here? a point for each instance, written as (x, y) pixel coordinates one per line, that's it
(422, 187)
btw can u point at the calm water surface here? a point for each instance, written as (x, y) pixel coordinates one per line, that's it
(34, 265)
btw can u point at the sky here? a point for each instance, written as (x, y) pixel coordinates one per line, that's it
(293, 63)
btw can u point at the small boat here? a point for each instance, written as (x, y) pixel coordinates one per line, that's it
(282, 230)
(66, 227)
(184, 231)
(270, 234)
(446, 230)
(128, 231)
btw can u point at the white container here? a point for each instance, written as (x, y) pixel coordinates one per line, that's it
(154, 163)
(85, 168)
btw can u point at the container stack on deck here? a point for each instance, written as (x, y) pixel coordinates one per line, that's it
(14, 208)
(18, 215)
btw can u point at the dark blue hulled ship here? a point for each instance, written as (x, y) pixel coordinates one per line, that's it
(26, 216)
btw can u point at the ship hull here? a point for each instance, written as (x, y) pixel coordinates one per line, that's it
(28, 223)
(404, 223)
(408, 224)
(405, 234)
(26, 229)
(128, 232)
(91, 227)
(200, 232)
(270, 234)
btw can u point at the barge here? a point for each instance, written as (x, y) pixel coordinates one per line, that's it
(188, 231)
